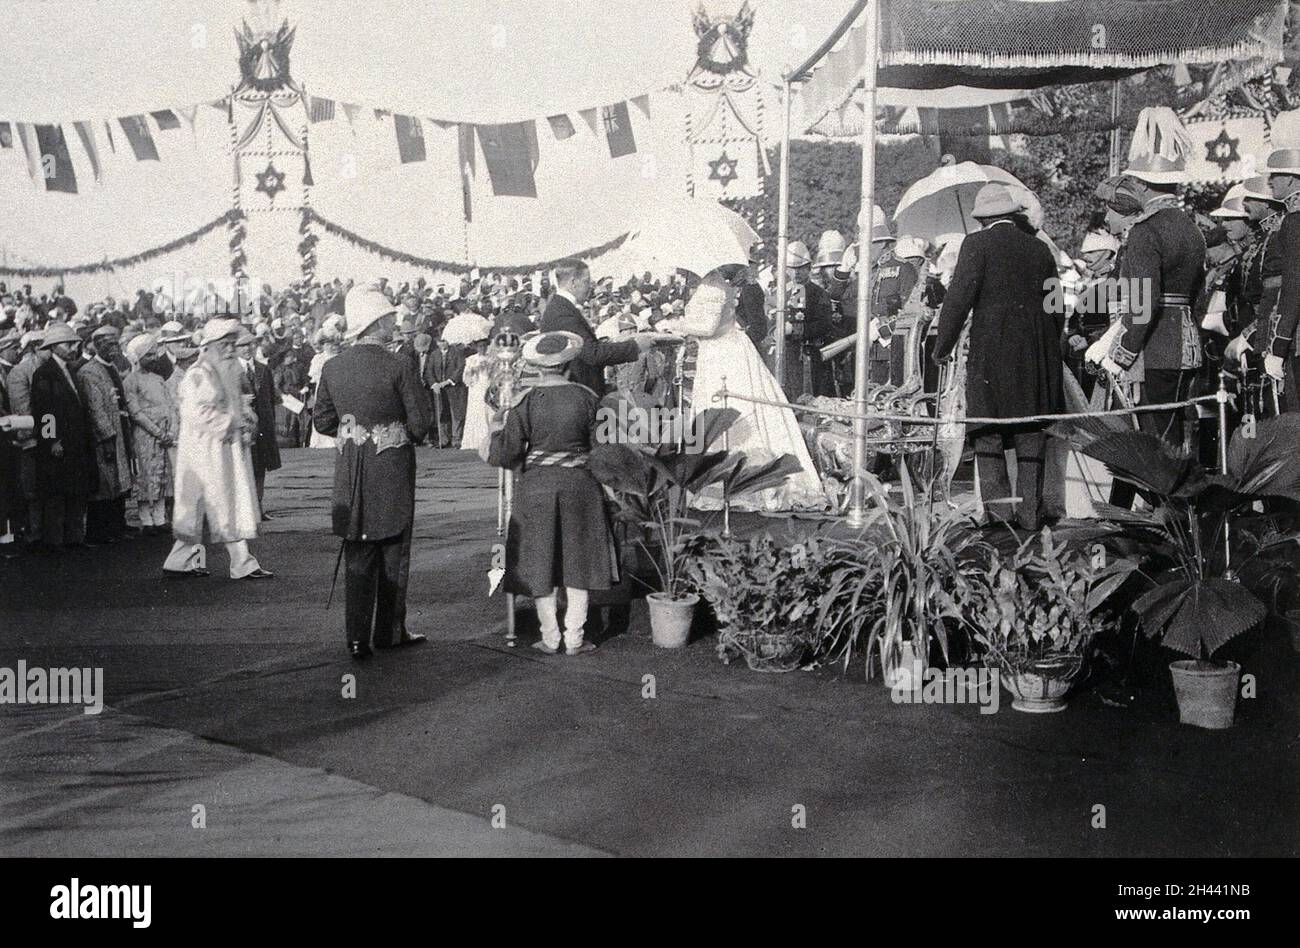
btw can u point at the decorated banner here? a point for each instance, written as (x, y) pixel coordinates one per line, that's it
(1226, 149)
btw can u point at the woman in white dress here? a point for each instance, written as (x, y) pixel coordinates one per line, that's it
(762, 432)
(478, 379)
(327, 347)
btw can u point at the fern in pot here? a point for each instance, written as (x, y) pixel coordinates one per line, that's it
(764, 594)
(1037, 616)
(651, 483)
(1197, 602)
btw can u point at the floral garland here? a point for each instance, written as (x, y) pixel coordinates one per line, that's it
(122, 262)
(307, 246)
(443, 266)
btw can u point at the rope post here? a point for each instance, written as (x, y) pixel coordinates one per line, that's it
(1221, 396)
(726, 495)
(857, 515)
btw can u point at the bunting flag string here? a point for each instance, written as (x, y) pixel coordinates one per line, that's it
(309, 216)
(123, 262)
(510, 150)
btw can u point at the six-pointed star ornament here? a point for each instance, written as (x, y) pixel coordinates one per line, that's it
(723, 169)
(1223, 151)
(270, 182)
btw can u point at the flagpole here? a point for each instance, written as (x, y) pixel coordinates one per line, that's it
(857, 487)
(782, 236)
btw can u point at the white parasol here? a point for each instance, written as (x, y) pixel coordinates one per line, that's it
(465, 329)
(941, 202)
(698, 235)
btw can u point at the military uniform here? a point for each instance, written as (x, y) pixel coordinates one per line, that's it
(1165, 251)
(371, 401)
(1278, 328)
(816, 328)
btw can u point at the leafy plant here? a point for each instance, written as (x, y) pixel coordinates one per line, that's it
(1042, 603)
(907, 579)
(761, 587)
(651, 484)
(1197, 604)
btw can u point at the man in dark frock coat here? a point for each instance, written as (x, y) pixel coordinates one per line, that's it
(66, 474)
(562, 315)
(265, 450)
(1013, 369)
(372, 401)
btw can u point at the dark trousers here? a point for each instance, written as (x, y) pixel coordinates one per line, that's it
(995, 479)
(106, 520)
(442, 429)
(376, 577)
(1159, 387)
(457, 397)
(63, 519)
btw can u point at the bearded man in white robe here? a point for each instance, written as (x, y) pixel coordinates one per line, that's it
(214, 464)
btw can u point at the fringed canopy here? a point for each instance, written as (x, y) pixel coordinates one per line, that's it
(1022, 44)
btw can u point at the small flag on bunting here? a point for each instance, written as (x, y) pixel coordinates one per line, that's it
(188, 116)
(137, 133)
(322, 110)
(410, 138)
(108, 130)
(511, 154)
(642, 102)
(166, 120)
(30, 150)
(561, 126)
(591, 118)
(87, 136)
(6, 135)
(350, 112)
(618, 130)
(56, 163)
(381, 114)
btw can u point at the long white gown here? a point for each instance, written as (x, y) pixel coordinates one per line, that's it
(477, 378)
(763, 432)
(314, 438)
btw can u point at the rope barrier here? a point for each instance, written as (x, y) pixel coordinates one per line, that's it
(926, 420)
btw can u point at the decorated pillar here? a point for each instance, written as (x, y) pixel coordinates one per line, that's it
(272, 237)
(723, 107)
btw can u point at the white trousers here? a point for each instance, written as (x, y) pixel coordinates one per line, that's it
(575, 617)
(187, 556)
(152, 513)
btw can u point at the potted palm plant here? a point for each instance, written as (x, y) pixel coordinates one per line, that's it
(651, 484)
(1197, 602)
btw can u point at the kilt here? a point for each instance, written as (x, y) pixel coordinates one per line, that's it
(560, 533)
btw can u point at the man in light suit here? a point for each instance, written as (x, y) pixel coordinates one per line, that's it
(563, 315)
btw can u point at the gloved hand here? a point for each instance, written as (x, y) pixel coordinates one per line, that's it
(1097, 352)
(1078, 343)
(873, 331)
(1110, 365)
(1273, 366)
(1234, 350)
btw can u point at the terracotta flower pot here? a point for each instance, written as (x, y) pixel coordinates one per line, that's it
(1206, 692)
(670, 619)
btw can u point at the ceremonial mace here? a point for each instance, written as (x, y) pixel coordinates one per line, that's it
(506, 350)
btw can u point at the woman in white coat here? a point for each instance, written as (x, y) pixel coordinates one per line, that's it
(214, 466)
